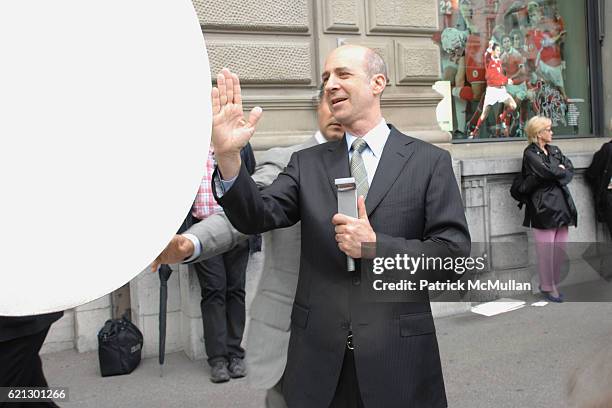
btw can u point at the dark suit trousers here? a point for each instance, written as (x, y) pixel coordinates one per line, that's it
(347, 393)
(222, 280)
(20, 365)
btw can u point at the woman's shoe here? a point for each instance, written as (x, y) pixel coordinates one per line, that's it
(552, 298)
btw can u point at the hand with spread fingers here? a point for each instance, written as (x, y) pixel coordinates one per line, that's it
(230, 132)
(177, 250)
(351, 232)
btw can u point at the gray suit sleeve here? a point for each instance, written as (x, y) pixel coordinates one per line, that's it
(216, 233)
(271, 163)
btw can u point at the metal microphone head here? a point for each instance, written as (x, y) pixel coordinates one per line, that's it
(346, 184)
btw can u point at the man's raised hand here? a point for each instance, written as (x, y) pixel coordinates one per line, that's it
(230, 132)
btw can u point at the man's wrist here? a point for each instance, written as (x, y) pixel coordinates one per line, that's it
(197, 247)
(228, 164)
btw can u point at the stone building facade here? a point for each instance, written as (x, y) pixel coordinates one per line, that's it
(278, 47)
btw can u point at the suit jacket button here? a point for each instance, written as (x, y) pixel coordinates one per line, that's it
(356, 280)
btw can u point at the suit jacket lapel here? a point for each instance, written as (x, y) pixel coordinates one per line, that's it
(393, 159)
(336, 162)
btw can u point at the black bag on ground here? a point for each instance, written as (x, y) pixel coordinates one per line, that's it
(119, 347)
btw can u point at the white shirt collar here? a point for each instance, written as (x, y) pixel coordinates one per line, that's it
(319, 137)
(375, 138)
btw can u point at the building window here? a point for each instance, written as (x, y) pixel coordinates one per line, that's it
(540, 46)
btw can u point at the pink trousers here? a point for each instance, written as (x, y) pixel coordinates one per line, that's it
(550, 250)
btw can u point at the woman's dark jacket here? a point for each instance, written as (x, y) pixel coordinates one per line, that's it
(598, 174)
(550, 204)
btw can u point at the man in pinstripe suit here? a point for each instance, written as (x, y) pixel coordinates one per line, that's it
(345, 351)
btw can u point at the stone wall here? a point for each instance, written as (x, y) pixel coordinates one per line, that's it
(278, 49)
(79, 327)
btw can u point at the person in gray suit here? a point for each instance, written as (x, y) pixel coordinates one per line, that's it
(268, 332)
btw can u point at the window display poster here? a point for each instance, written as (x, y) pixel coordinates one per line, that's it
(529, 56)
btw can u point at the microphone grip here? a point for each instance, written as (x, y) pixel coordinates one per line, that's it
(350, 264)
(347, 205)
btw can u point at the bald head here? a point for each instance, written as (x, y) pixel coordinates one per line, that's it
(354, 77)
(373, 64)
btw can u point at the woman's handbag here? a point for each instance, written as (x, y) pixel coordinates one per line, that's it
(522, 187)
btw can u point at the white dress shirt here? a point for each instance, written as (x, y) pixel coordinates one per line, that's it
(376, 140)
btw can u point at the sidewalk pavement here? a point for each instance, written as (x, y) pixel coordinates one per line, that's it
(520, 359)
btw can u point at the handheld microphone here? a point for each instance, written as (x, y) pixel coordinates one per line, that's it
(347, 205)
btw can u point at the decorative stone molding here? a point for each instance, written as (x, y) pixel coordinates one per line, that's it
(382, 48)
(341, 16)
(474, 183)
(431, 136)
(410, 101)
(417, 63)
(286, 16)
(473, 191)
(500, 165)
(281, 103)
(398, 17)
(264, 62)
(268, 140)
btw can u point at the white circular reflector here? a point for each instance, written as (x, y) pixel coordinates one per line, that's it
(105, 124)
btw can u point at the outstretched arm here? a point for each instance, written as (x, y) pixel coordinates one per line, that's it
(214, 235)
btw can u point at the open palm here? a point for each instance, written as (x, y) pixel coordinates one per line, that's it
(231, 132)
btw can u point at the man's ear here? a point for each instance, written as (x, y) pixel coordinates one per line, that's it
(379, 83)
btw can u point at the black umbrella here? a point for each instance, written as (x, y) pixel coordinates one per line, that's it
(164, 274)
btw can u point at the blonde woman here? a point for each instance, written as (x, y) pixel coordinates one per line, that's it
(550, 209)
